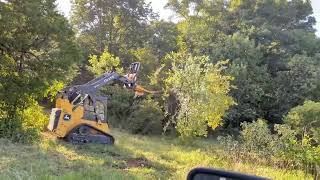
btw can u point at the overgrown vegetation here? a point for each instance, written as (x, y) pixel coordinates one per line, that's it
(305, 120)
(293, 145)
(24, 125)
(146, 118)
(248, 68)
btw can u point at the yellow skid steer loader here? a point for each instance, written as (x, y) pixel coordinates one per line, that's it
(80, 114)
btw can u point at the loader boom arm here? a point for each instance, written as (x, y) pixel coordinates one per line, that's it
(93, 86)
(77, 94)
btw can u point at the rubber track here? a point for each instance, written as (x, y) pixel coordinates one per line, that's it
(75, 138)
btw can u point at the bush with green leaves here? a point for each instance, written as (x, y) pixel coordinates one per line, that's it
(23, 125)
(282, 148)
(305, 120)
(201, 90)
(146, 118)
(302, 155)
(305, 150)
(255, 142)
(257, 138)
(137, 115)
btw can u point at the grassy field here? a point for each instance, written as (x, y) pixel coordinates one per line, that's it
(132, 157)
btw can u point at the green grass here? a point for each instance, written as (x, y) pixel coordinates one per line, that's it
(132, 157)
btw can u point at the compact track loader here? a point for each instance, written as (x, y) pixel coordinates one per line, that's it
(80, 114)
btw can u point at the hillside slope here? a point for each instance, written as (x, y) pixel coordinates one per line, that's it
(132, 157)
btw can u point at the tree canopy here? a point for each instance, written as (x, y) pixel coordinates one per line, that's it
(272, 49)
(37, 48)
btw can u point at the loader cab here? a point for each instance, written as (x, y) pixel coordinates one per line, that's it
(98, 113)
(95, 114)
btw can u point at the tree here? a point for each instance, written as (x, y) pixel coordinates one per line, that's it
(149, 63)
(202, 92)
(264, 40)
(105, 63)
(164, 39)
(37, 48)
(115, 25)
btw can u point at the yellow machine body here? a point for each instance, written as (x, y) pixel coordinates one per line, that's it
(64, 127)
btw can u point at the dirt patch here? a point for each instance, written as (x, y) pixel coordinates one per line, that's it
(128, 163)
(140, 162)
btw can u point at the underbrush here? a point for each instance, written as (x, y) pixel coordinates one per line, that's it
(132, 157)
(282, 149)
(22, 124)
(136, 115)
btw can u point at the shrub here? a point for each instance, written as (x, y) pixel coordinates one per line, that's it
(257, 144)
(302, 155)
(201, 90)
(305, 120)
(33, 122)
(146, 118)
(53, 90)
(256, 137)
(23, 125)
(305, 150)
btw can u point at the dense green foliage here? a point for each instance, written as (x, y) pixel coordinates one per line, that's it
(23, 125)
(146, 118)
(202, 92)
(282, 148)
(305, 120)
(37, 48)
(115, 25)
(271, 45)
(105, 63)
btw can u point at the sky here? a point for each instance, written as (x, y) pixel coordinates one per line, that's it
(64, 6)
